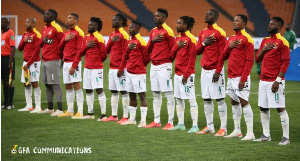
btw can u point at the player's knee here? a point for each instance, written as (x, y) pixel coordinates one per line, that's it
(28, 85)
(99, 90)
(88, 91)
(264, 109)
(35, 84)
(123, 92)
(280, 110)
(114, 91)
(233, 102)
(68, 86)
(207, 100)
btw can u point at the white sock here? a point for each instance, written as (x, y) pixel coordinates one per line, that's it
(114, 103)
(180, 110)
(157, 100)
(79, 99)
(248, 115)
(102, 102)
(285, 123)
(143, 113)
(70, 100)
(125, 102)
(90, 102)
(28, 96)
(37, 98)
(132, 111)
(222, 108)
(265, 121)
(236, 115)
(194, 111)
(209, 114)
(171, 107)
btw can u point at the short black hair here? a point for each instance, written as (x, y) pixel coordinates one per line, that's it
(243, 17)
(189, 21)
(215, 12)
(98, 21)
(123, 18)
(53, 11)
(75, 15)
(137, 23)
(279, 19)
(164, 11)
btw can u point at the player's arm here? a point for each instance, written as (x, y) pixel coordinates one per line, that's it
(224, 56)
(175, 48)
(109, 44)
(12, 43)
(22, 44)
(102, 49)
(285, 62)
(36, 51)
(127, 50)
(150, 45)
(191, 63)
(262, 50)
(78, 56)
(222, 44)
(249, 50)
(147, 58)
(171, 41)
(62, 43)
(81, 52)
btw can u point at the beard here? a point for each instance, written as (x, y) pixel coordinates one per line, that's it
(273, 31)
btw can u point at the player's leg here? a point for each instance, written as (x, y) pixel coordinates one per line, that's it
(11, 89)
(222, 108)
(143, 109)
(113, 82)
(248, 115)
(132, 110)
(236, 115)
(55, 70)
(69, 90)
(79, 100)
(194, 114)
(205, 82)
(49, 89)
(4, 79)
(157, 98)
(28, 93)
(264, 111)
(125, 105)
(102, 103)
(89, 93)
(37, 97)
(284, 117)
(180, 113)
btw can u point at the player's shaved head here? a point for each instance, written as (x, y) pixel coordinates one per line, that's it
(32, 19)
(30, 23)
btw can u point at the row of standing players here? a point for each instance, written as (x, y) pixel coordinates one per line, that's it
(127, 73)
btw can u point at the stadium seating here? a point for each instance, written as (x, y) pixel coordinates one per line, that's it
(17, 7)
(281, 8)
(193, 8)
(234, 7)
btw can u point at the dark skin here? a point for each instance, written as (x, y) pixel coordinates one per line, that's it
(116, 24)
(48, 18)
(71, 22)
(159, 19)
(29, 25)
(210, 18)
(92, 27)
(5, 28)
(133, 30)
(181, 27)
(238, 24)
(273, 28)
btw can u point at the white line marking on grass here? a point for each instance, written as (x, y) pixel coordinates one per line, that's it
(198, 95)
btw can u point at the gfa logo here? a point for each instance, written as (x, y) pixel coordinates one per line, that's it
(14, 150)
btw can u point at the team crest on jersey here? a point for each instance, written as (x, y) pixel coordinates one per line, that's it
(12, 37)
(276, 45)
(3, 42)
(49, 33)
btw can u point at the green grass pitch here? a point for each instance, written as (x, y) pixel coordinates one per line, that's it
(110, 141)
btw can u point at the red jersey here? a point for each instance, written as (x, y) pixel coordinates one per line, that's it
(240, 59)
(30, 47)
(275, 60)
(50, 51)
(7, 41)
(137, 58)
(211, 53)
(160, 51)
(71, 48)
(116, 49)
(93, 56)
(186, 56)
